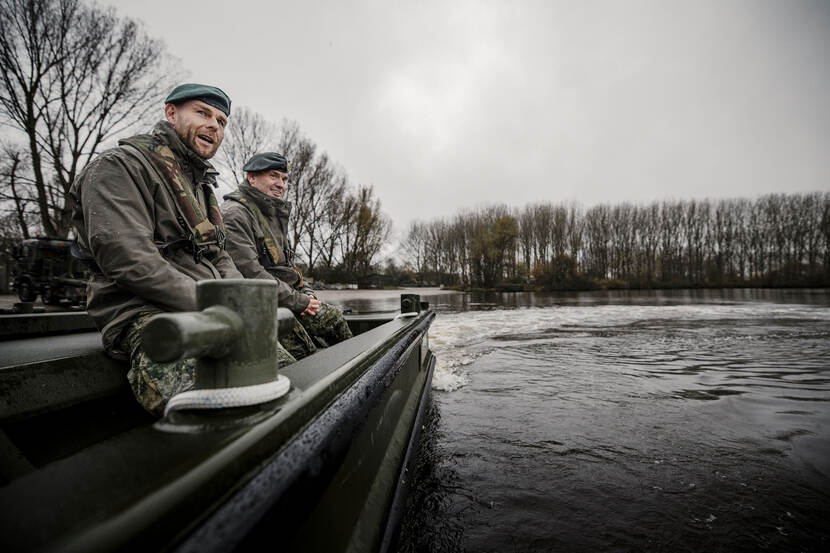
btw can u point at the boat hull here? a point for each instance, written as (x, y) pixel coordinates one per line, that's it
(323, 468)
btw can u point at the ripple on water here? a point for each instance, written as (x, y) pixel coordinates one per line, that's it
(608, 427)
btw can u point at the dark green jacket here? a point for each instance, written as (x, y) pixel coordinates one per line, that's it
(122, 214)
(245, 241)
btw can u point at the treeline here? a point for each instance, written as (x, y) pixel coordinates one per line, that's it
(774, 240)
(75, 77)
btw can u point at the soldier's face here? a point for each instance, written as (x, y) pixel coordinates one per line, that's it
(272, 183)
(199, 125)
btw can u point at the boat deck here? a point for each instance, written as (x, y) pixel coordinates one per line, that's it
(72, 438)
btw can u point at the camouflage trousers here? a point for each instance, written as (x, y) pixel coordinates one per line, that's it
(326, 328)
(153, 384)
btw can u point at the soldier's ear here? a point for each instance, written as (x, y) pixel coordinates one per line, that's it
(170, 113)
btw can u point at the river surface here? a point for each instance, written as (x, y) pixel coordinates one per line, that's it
(625, 421)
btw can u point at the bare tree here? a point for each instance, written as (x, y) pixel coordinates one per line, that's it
(526, 237)
(73, 76)
(649, 240)
(460, 238)
(493, 233)
(318, 191)
(414, 248)
(15, 192)
(597, 241)
(366, 234)
(543, 230)
(335, 213)
(247, 134)
(824, 235)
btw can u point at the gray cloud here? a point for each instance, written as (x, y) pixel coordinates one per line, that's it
(445, 104)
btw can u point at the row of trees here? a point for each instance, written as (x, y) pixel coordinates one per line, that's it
(74, 77)
(775, 240)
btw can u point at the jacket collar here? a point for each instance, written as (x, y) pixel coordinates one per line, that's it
(265, 203)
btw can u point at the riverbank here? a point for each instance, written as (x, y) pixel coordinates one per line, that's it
(619, 285)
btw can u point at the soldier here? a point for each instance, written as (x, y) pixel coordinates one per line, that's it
(149, 224)
(256, 217)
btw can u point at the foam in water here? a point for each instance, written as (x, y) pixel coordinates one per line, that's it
(458, 339)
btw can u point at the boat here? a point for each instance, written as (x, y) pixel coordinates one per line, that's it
(324, 467)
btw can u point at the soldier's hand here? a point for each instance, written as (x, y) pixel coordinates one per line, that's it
(312, 308)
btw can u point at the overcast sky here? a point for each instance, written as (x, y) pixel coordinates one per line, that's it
(445, 104)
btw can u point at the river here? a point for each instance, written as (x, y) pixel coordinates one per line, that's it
(625, 421)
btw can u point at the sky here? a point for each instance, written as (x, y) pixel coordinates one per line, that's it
(442, 105)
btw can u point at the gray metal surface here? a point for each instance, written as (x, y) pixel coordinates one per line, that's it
(47, 348)
(39, 324)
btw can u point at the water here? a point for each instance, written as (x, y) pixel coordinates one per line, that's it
(641, 421)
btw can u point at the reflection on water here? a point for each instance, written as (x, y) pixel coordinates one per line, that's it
(656, 421)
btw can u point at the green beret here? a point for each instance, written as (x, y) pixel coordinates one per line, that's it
(265, 162)
(210, 95)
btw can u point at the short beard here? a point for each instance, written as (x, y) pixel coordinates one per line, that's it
(190, 142)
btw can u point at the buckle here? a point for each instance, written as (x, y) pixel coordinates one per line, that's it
(221, 238)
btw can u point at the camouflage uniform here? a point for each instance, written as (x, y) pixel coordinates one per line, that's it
(297, 342)
(153, 384)
(324, 329)
(257, 226)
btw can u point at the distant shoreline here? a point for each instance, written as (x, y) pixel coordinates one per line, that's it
(539, 289)
(376, 293)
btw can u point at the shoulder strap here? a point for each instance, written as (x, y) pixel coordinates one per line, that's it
(204, 229)
(268, 235)
(262, 223)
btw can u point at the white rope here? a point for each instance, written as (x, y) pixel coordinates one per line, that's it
(239, 396)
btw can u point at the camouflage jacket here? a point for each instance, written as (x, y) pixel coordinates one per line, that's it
(246, 244)
(123, 214)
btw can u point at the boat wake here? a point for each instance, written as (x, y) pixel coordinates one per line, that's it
(458, 339)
